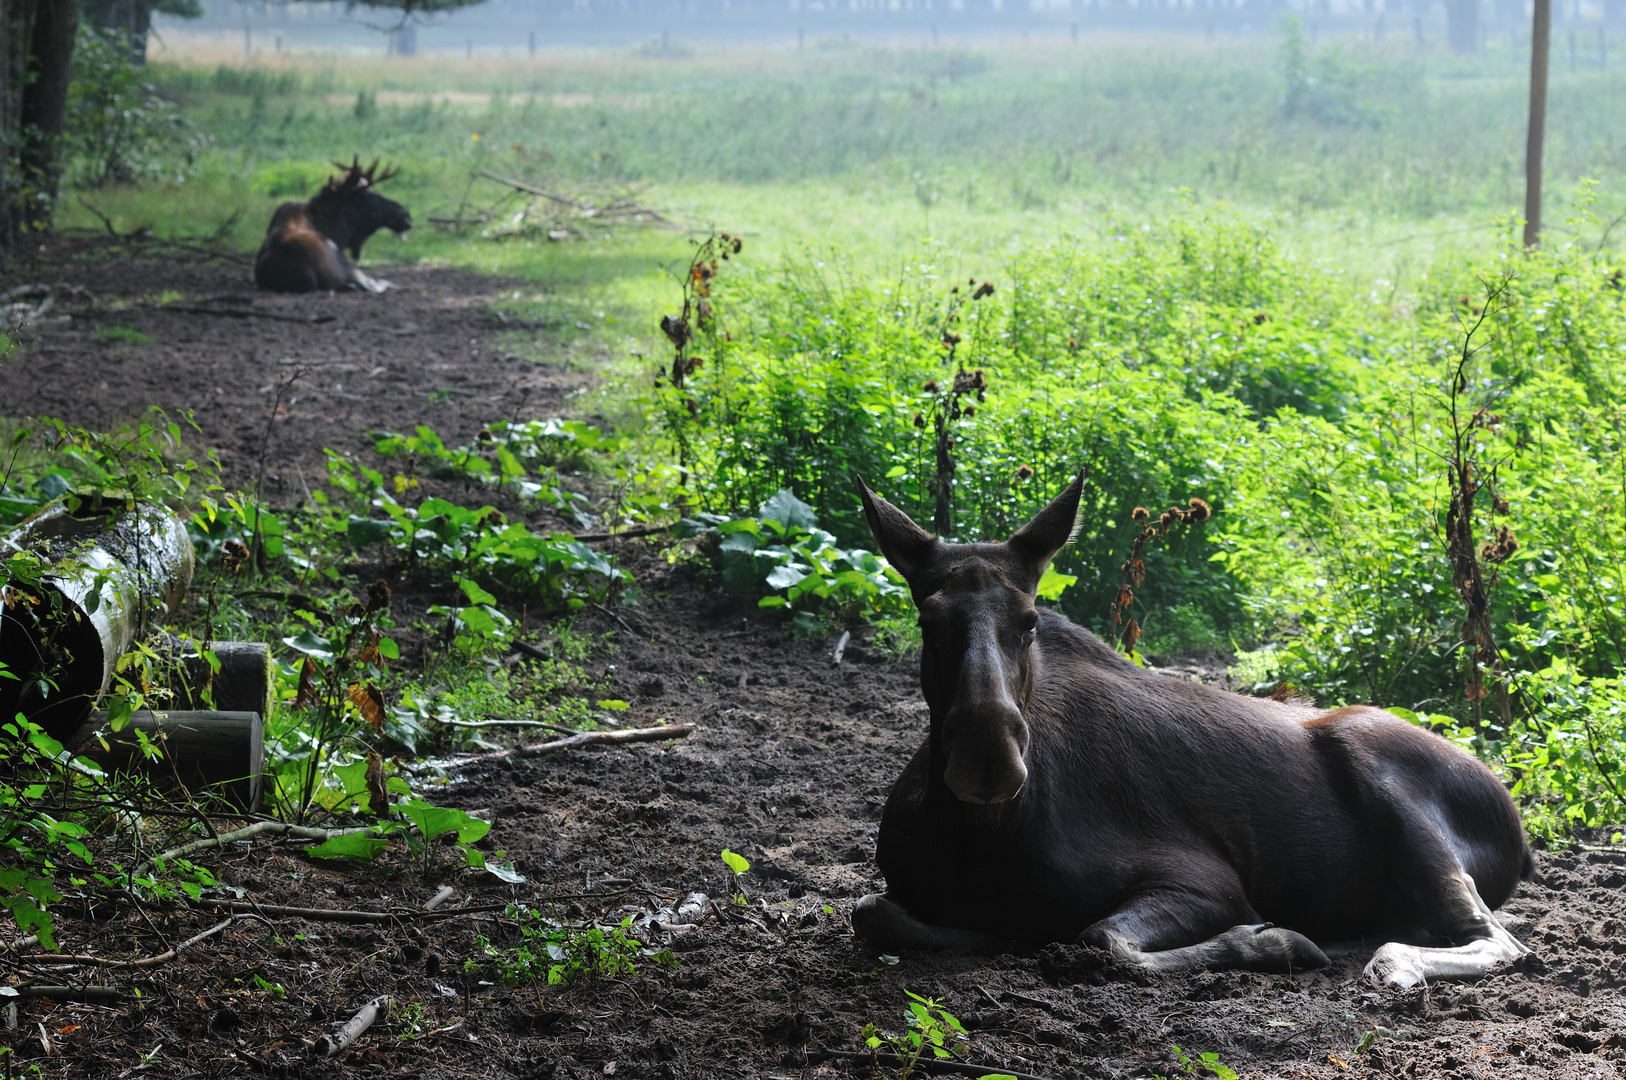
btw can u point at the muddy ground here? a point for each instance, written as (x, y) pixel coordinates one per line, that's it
(789, 763)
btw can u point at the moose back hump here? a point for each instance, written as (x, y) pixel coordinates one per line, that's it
(1064, 794)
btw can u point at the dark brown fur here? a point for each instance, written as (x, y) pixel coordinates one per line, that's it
(305, 244)
(1063, 793)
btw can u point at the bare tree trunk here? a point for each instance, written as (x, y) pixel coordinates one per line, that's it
(45, 109)
(1540, 38)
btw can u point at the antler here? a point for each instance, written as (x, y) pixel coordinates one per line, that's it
(356, 176)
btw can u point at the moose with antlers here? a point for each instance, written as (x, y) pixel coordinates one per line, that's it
(304, 249)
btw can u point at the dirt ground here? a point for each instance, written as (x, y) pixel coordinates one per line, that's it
(789, 763)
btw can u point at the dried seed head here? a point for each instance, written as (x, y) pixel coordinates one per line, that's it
(970, 410)
(1166, 517)
(1260, 318)
(985, 289)
(485, 435)
(930, 387)
(950, 338)
(1140, 513)
(982, 395)
(1198, 511)
(234, 555)
(1499, 505)
(920, 421)
(1024, 472)
(378, 596)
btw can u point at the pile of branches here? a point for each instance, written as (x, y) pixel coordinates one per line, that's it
(530, 211)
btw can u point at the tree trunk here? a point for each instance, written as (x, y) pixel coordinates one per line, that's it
(1462, 25)
(1540, 38)
(133, 18)
(44, 111)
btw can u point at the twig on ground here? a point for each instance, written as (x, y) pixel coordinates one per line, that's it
(586, 738)
(841, 648)
(279, 828)
(78, 994)
(503, 721)
(624, 534)
(66, 960)
(959, 1068)
(440, 897)
(350, 916)
(332, 1045)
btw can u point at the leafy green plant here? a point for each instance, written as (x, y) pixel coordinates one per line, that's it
(1204, 1064)
(564, 954)
(738, 865)
(784, 549)
(930, 1029)
(119, 127)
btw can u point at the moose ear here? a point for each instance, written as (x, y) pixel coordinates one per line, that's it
(1037, 542)
(905, 544)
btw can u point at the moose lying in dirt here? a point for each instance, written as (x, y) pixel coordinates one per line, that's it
(304, 247)
(1065, 794)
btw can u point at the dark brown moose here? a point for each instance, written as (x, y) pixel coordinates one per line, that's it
(304, 248)
(1064, 794)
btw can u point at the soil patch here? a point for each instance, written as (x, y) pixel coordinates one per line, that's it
(280, 375)
(790, 763)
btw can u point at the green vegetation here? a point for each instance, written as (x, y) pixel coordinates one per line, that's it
(929, 1030)
(563, 954)
(1275, 277)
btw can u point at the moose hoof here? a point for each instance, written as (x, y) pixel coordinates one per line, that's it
(1396, 965)
(1301, 953)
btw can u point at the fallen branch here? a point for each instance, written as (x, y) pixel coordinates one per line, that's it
(280, 828)
(80, 994)
(637, 530)
(586, 738)
(238, 313)
(333, 1045)
(959, 1068)
(347, 916)
(65, 960)
(532, 189)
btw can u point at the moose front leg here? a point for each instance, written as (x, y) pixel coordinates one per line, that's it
(1176, 930)
(889, 925)
(1487, 943)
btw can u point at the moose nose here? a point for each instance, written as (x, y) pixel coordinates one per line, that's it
(985, 758)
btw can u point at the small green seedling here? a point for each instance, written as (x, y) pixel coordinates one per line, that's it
(931, 1029)
(1204, 1065)
(739, 864)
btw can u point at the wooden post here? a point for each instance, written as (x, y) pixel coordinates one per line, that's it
(1540, 39)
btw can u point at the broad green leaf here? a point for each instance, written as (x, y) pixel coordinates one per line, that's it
(1053, 584)
(359, 847)
(737, 863)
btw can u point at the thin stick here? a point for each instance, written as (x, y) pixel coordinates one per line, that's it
(346, 916)
(332, 1045)
(959, 1068)
(239, 313)
(586, 738)
(303, 832)
(841, 648)
(439, 898)
(64, 960)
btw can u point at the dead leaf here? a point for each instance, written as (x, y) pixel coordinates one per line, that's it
(371, 703)
(308, 696)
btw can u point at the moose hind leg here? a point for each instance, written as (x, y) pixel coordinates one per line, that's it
(889, 925)
(1180, 931)
(1488, 944)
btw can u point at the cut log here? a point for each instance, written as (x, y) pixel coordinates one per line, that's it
(243, 683)
(221, 752)
(113, 570)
